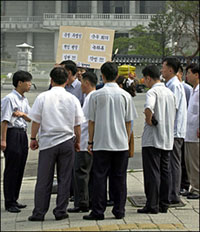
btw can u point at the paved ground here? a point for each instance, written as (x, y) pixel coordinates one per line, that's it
(177, 219)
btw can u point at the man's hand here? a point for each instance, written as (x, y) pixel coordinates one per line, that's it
(3, 145)
(90, 148)
(18, 114)
(77, 147)
(34, 144)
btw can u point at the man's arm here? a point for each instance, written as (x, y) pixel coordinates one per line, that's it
(4, 127)
(148, 116)
(22, 114)
(91, 125)
(128, 129)
(77, 131)
(34, 130)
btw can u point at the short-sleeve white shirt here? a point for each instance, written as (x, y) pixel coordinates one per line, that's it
(58, 112)
(181, 105)
(110, 108)
(193, 116)
(9, 104)
(161, 101)
(84, 125)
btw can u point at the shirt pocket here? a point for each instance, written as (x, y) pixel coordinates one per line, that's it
(195, 109)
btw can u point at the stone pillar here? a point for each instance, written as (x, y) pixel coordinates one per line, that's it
(30, 8)
(24, 57)
(58, 6)
(94, 7)
(56, 36)
(112, 7)
(132, 7)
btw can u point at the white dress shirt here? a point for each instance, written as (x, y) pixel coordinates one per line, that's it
(57, 111)
(193, 116)
(181, 105)
(161, 102)
(110, 108)
(9, 104)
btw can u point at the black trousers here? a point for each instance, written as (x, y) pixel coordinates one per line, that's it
(15, 160)
(175, 170)
(83, 165)
(156, 177)
(61, 156)
(185, 184)
(115, 164)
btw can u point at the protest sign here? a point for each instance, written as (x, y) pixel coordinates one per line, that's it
(86, 46)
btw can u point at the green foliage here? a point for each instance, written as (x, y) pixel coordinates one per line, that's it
(122, 43)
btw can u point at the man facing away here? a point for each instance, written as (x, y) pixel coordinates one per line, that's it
(57, 116)
(83, 160)
(169, 69)
(157, 141)
(110, 115)
(192, 133)
(14, 141)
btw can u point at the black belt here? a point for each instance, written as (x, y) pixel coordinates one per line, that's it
(18, 128)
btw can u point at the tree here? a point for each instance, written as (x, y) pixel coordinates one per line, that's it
(185, 24)
(161, 27)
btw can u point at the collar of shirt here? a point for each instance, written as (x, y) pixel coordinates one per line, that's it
(157, 84)
(57, 87)
(111, 84)
(74, 83)
(170, 81)
(18, 94)
(196, 89)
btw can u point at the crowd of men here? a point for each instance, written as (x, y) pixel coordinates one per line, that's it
(85, 134)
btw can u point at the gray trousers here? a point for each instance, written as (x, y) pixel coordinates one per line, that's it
(175, 171)
(82, 168)
(192, 165)
(61, 156)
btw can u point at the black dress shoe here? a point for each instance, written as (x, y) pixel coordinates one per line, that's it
(184, 192)
(193, 196)
(35, 219)
(147, 210)
(163, 210)
(13, 209)
(20, 206)
(78, 209)
(109, 203)
(93, 217)
(64, 216)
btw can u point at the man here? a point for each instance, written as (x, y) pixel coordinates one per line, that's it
(110, 115)
(192, 132)
(14, 141)
(157, 141)
(169, 69)
(83, 160)
(73, 85)
(185, 184)
(57, 115)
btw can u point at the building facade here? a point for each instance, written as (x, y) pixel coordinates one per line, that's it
(37, 22)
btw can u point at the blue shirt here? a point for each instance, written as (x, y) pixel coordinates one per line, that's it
(75, 89)
(181, 107)
(11, 103)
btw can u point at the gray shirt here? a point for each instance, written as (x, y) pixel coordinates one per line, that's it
(11, 103)
(75, 89)
(161, 101)
(181, 107)
(188, 90)
(110, 108)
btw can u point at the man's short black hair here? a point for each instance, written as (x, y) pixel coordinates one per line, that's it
(71, 67)
(172, 62)
(194, 68)
(109, 70)
(152, 71)
(180, 68)
(59, 75)
(67, 62)
(91, 77)
(21, 76)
